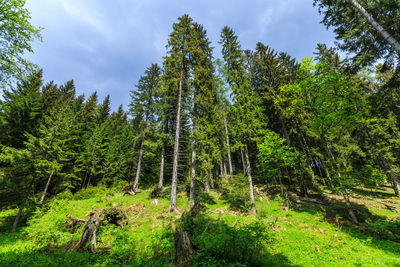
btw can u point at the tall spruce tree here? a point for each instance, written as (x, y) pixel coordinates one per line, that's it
(247, 112)
(143, 110)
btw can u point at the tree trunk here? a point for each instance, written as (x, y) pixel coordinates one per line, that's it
(136, 184)
(21, 208)
(172, 206)
(183, 247)
(396, 185)
(46, 187)
(224, 169)
(88, 235)
(207, 184)
(394, 181)
(211, 179)
(284, 129)
(389, 38)
(228, 146)
(244, 162)
(253, 205)
(328, 175)
(344, 190)
(160, 183)
(193, 174)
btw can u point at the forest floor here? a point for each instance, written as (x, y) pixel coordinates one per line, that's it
(311, 232)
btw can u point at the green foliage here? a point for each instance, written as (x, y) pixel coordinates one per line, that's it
(237, 194)
(221, 244)
(95, 191)
(16, 34)
(357, 35)
(274, 154)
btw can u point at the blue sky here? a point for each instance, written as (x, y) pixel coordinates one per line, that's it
(105, 46)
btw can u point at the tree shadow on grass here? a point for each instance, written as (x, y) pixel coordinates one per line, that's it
(205, 198)
(377, 231)
(217, 243)
(376, 194)
(49, 258)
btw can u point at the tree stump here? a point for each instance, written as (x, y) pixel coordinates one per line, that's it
(183, 247)
(88, 235)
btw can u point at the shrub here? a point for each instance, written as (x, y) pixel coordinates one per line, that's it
(236, 193)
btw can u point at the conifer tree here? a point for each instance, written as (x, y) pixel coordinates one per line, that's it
(177, 64)
(143, 109)
(247, 112)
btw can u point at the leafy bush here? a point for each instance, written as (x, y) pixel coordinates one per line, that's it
(66, 194)
(47, 226)
(93, 192)
(219, 244)
(236, 193)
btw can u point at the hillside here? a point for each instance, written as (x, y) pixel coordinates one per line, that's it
(304, 234)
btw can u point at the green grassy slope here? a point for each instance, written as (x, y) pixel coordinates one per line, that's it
(277, 236)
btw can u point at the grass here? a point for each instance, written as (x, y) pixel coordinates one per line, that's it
(301, 236)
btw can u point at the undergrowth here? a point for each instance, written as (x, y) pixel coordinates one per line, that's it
(222, 235)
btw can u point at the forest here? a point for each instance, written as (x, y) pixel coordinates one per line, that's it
(231, 161)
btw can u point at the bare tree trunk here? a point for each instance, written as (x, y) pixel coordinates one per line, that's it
(344, 190)
(136, 184)
(224, 169)
(160, 183)
(390, 39)
(46, 187)
(211, 179)
(396, 185)
(253, 205)
(192, 193)
(328, 175)
(228, 146)
(84, 180)
(21, 208)
(394, 181)
(172, 205)
(243, 161)
(207, 184)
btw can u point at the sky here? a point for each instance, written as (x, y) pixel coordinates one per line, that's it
(105, 46)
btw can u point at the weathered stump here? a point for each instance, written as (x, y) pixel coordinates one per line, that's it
(72, 224)
(183, 247)
(88, 235)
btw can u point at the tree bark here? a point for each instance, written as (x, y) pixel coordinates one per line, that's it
(244, 162)
(396, 185)
(252, 202)
(183, 247)
(172, 206)
(88, 235)
(21, 208)
(211, 179)
(207, 184)
(344, 190)
(228, 146)
(389, 38)
(192, 193)
(161, 181)
(136, 184)
(224, 169)
(46, 187)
